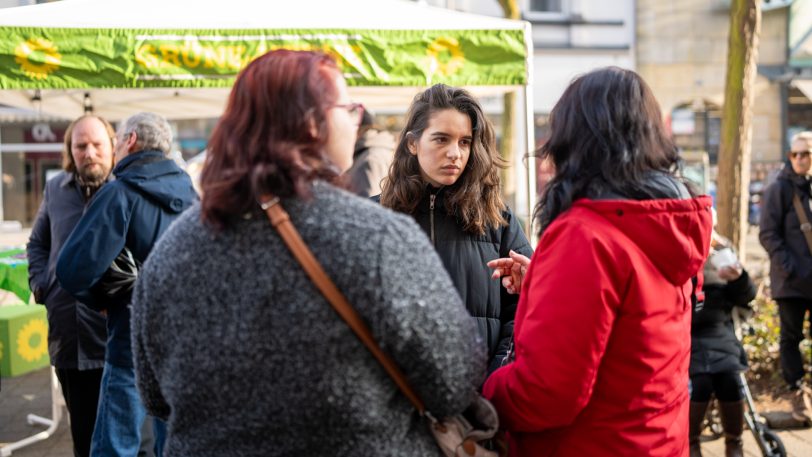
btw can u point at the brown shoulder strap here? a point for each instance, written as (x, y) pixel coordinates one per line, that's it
(806, 227)
(281, 222)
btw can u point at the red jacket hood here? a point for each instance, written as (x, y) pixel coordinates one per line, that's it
(673, 233)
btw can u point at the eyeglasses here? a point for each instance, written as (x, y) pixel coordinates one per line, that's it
(356, 110)
(799, 155)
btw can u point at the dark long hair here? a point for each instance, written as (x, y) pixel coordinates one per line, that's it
(475, 198)
(271, 136)
(606, 136)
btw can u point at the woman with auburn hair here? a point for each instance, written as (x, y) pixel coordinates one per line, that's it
(602, 338)
(445, 174)
(227, 324)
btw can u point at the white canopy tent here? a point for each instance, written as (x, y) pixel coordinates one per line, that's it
(267, 19)
(118, 57)
(179, 57)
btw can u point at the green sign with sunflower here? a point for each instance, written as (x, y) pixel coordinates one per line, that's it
(23, 339)
(63, 58)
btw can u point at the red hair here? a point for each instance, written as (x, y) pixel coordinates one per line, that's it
(271, 137)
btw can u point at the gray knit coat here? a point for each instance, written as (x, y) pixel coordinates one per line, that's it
(242, 355)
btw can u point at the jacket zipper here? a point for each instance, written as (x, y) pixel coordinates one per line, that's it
(431, 217)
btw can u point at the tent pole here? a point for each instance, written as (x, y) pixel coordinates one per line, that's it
(529, 137)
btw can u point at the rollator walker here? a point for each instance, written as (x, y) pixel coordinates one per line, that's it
(768, 441)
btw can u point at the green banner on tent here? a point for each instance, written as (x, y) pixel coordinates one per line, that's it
(59, 58)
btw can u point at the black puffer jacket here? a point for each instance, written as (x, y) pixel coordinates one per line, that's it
(465, 256)
(714, 346)
(780, 234)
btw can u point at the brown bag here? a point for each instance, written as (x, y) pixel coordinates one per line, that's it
(457, 436)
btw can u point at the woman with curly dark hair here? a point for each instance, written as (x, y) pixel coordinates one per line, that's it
(446, 175)
(227, 324)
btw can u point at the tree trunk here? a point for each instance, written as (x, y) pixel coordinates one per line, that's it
(734, 153)
(508, 178)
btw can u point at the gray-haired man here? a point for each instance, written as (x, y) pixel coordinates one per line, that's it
(132, 212)
(781, 233)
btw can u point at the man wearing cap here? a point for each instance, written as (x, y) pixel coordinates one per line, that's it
(787, 236)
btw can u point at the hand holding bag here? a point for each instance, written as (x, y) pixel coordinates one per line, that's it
(457, 436)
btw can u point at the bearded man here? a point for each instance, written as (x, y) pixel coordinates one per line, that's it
(77, 335)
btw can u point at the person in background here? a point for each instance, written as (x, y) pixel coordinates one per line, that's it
(76, 333)
(124, 221)
(717, 355)
(226, 324)
(374, 150)
(602, 334)
(781, 232)
(544, 173)
(446, 176)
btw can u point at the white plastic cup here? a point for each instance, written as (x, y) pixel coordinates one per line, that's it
(722, 258)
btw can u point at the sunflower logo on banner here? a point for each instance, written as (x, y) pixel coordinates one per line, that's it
(37, 57)
(32, 340)
(445, 56)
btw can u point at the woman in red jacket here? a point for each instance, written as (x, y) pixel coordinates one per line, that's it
(603, 325)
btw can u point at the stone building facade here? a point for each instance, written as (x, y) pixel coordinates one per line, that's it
(682, 53)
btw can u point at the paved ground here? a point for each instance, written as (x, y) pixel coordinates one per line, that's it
(30, 393)
(798, 443)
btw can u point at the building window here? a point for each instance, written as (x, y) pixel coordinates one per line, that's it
(547, 9)
(697, 126)
(546, 6)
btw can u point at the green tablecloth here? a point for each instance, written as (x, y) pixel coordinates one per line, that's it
(14, 273)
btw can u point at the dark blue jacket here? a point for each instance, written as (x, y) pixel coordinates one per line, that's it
(76, 334)
(149, 193)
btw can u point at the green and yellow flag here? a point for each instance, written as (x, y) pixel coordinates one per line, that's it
(65, 58)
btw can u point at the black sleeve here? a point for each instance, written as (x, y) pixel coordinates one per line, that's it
(513, 238)
(39, 251)
(772, 230)
(741, 291)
